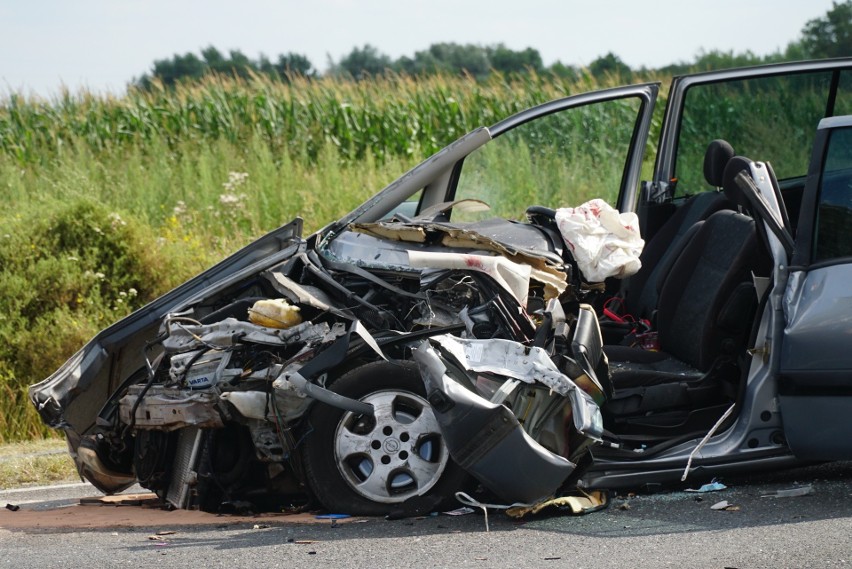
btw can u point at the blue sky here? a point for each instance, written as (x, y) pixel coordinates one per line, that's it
(103, 44)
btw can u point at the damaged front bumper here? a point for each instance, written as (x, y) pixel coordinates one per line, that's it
(485, 437)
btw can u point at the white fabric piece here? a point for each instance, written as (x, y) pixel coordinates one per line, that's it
(604, 242)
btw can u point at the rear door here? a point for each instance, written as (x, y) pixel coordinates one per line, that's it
(815, 384)
(767, 113)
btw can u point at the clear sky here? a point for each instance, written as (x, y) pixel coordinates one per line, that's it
(103, 44)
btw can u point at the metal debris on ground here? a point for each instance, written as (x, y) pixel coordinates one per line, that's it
(791, 492)
(463, 511)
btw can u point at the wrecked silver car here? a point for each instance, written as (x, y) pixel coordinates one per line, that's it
(465, 328)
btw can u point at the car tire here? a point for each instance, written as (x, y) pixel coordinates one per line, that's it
(388, 463)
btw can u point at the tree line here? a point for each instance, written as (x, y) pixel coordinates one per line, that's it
(827, 36)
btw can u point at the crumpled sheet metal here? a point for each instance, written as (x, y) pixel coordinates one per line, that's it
(487, 440)
(543, 265)
(289, 403)
(169, 409)
(184, 335)
(512, 359)
(300, 294)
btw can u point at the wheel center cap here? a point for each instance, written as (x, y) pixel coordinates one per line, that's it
(391, 445)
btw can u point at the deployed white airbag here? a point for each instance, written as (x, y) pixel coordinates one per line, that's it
(604, 242)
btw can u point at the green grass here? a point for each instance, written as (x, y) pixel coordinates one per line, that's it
(35, 462)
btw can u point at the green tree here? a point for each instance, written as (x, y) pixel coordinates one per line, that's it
(570, 72)
(831, 35)
(236, 64)
(294, 64)
(469, 59)
(610, 64)
(213, 57)
(507, 60)
(462, 58)
(363, 62)
(191, 67)
(170, 71)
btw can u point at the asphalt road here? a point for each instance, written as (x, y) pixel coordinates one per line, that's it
(667, 529)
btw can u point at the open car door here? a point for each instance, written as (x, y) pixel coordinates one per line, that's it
(561, 154)
(815, 386)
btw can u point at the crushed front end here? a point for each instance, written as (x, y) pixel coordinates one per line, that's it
(364, 381)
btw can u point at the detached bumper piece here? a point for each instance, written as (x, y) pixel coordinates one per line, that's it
(487, 440)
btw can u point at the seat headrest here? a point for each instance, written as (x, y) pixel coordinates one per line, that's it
(733, 192)
(716, 157)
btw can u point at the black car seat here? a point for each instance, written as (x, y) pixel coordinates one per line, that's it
(705, 312)
(640, 291)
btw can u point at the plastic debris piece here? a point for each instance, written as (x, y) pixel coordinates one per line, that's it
(260, 526)
(720, 505)
(583, 504)
(333, 516)
(791, 492)
(706, 438)
(13, 507)
(165, 532)
(463, 511)
(713, 486)
(274, 313)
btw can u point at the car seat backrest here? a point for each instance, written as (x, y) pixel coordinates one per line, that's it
(711, 267)
(713, 272)
(719, 153)
(641, 291)
(732, 190)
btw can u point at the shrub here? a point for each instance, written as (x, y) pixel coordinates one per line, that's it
(67, 270)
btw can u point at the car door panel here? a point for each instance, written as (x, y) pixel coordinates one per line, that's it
(815, 381)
